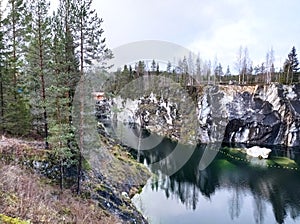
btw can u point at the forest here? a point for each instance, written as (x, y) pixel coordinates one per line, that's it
(42, 58)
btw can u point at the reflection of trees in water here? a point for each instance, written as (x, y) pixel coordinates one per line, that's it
(279, 187)
(187, 193)
(236, 202)
(259, 209)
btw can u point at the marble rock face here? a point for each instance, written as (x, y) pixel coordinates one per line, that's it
(257, 115)
(267, 116)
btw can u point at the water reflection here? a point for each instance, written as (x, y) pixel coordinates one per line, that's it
(277, 188)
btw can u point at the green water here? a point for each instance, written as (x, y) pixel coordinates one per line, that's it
(234, 188)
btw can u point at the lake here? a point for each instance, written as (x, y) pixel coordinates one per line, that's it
(233, 188)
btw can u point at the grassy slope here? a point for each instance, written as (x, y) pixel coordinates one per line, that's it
(26, 195)
(29, 197)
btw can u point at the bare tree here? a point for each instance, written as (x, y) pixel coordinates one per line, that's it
(269, 64)
(215, 67)
(191, 68)
(198, 68)
(245, 64)
(239, 62)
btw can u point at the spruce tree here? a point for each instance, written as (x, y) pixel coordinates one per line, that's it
(153, 66)
(291, 66)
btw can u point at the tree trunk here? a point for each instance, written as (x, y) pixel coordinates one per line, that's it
(81, 132)
(43, 93)
(14, 37)
(1, 95)
(61, 182)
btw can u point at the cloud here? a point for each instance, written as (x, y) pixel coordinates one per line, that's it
(213, 28)
(257, 26)
(178, 21)
(200, 25)
(224, 42)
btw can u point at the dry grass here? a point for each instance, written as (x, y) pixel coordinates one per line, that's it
(26, 195)
(29, 196)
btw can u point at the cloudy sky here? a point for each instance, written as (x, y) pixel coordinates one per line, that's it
(214, 28)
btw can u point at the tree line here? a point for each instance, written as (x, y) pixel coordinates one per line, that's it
(192, 70)
(42, 59)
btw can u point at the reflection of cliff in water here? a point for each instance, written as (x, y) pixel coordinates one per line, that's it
(280, 187)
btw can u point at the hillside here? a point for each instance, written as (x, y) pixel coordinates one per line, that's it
(27, 195)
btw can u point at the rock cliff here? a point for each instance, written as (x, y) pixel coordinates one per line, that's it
(259, 115)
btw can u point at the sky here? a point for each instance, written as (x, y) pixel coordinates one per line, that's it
(213, 28)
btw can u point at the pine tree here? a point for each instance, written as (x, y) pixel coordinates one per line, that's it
(15, 24)
(38, 64)
(65, 76)
(2, 62)
(15, 106)
(91, 48)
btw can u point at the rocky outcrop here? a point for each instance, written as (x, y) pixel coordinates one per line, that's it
(258, 115)
(267, 116)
